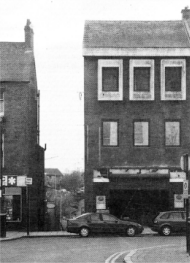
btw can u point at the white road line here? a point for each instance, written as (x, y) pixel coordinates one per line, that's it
(116, 257)
(108, 260)
(127, 259)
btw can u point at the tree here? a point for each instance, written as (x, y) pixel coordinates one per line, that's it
(72, 182)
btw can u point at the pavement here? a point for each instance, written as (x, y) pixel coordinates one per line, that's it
(161, 254)
(11, 235)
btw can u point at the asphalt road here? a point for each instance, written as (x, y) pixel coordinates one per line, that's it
(80, 250)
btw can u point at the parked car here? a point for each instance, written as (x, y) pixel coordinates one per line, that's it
(169, 222)
(89, 223)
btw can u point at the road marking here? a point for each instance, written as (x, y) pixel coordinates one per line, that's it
(127, 259)
(130, 253)
(108, 260)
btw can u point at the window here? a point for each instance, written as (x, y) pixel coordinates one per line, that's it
(1, 104)
(95, 218)
(141, 133)
(172, 133)
(13, 204)
(110, 79)
(176, 216)
(141, 79)
(165, 216)
(109, 218)
(110, 133)
(173, 79)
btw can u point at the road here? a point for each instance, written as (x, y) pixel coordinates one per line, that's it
(104, 249)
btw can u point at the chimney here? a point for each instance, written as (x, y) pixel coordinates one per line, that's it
(29, 39)
(185, 13)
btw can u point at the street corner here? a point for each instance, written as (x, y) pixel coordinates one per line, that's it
(165, 253)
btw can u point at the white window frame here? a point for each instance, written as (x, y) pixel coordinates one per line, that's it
(3, 103)
(141, 95)
(110, 95)
(173, 95)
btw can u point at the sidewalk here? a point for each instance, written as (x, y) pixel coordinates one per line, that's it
(11, 235)
(162, 254)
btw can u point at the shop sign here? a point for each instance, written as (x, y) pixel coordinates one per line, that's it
(14, 180)
(100, 202)
(185, 189)
(178, 201)
(176, 177)
(28, 180)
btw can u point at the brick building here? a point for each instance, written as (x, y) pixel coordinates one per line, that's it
(21, 154)
(137, 110)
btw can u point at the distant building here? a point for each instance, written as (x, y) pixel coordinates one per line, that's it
(137, 112)
(21, 155)
(53, 177)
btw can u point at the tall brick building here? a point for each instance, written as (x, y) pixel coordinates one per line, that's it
(21, 154)
(137, 112)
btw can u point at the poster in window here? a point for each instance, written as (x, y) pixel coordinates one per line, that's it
(172, 133)
(141, 133)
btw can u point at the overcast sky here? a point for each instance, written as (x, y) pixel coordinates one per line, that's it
(58, 33)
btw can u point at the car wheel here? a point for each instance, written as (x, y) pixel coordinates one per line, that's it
(84, 232)
(131, 231)
(166, 231)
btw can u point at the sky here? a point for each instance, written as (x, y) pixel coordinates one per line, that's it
(58, 34)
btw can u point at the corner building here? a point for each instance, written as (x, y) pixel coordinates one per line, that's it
(21, 155)
(137, 112)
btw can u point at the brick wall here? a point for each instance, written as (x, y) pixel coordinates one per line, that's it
(126, 112)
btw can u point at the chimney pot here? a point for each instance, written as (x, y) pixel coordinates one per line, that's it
(185, 13)
(29, 40)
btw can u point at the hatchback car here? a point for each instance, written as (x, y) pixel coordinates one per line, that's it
(89, 223)
(169, 222)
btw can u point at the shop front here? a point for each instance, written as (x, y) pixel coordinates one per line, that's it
(136, 193)
(14, 199)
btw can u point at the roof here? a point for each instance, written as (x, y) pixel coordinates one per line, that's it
(135, 34)
(15, 61)
(53, 171)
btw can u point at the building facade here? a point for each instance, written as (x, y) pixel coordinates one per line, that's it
(22, 158)
(137, 110)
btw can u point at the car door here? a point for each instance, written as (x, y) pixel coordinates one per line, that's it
(110, 223)
(95, 223)
(177, 221)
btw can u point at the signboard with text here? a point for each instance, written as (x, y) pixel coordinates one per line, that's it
(14, 180)
(185, 189)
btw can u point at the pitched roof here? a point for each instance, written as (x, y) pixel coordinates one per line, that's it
(15, 61)
(53, 171)
(135, 34)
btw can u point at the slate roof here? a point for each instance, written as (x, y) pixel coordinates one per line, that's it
(135, 34)
(53, 171)
(15, 61)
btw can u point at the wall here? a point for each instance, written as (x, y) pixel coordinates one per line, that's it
(125, 112)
